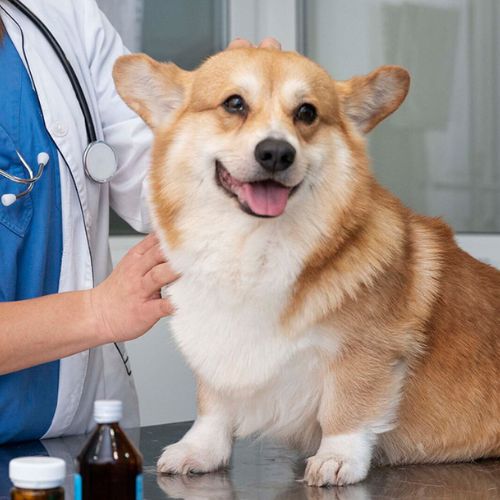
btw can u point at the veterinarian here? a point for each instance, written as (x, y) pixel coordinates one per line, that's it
(63, 316)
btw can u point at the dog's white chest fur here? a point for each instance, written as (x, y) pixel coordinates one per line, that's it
(233, 346)
(229, 303)
(272, 382)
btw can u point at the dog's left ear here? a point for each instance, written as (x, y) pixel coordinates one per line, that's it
(153, 90)
(367, 100)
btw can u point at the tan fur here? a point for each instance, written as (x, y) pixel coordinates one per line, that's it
(417, 318)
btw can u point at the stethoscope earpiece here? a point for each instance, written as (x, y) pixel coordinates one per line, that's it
(8, 199)
(43, 158)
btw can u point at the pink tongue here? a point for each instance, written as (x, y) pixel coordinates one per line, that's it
(265, 198)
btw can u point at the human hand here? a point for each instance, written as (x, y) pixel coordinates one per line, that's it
(128, 302)
(266, 43)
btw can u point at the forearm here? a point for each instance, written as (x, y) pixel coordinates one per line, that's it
(123, 307)
(44, 329)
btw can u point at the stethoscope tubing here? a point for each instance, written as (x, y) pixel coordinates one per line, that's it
(21, 180)
(77, 88)
(99, 157)
(9, 198)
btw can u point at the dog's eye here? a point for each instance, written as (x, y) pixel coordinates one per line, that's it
(235, 104)
(306, 113)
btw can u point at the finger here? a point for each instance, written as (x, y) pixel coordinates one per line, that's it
(239, 43)
(159, 308)
(144, 245)
(159, 276)
(150, 259)
(270, 43)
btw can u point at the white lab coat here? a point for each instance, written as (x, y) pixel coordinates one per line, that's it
(91, 45)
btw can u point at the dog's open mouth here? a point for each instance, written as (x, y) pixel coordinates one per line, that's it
(263, 198)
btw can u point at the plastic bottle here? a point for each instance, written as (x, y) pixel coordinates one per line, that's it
(109, 467)
(37, 478)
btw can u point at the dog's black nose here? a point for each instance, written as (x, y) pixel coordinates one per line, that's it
(274, 154)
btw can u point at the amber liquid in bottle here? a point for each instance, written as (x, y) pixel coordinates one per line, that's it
(109, 466)
(24, 494)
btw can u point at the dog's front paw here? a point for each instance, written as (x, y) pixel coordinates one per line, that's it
(331, 470)
(184, 457)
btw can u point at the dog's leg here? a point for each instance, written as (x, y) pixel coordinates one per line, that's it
(207, 445)
(359, 401)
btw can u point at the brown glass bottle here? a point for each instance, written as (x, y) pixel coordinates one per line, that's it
(109, 467)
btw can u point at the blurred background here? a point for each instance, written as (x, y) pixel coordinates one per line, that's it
(440, 153)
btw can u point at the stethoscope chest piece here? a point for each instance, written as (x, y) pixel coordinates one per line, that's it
(100, 161)
(99, 158)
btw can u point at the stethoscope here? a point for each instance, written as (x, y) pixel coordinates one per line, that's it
(99, 158)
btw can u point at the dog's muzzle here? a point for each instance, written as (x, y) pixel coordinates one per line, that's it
(264, 198)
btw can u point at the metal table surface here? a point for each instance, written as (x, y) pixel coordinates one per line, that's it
(264, 471)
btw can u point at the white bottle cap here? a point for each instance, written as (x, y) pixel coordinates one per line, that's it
(37, 473)
(108, 411)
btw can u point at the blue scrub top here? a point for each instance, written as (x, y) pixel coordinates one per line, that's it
(30, 242)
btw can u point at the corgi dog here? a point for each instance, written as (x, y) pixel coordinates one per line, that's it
(313, 306)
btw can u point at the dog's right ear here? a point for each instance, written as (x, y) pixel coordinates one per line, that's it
(152, 89)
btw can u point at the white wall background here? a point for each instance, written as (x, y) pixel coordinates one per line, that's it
(126, 16)
(440, 151)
